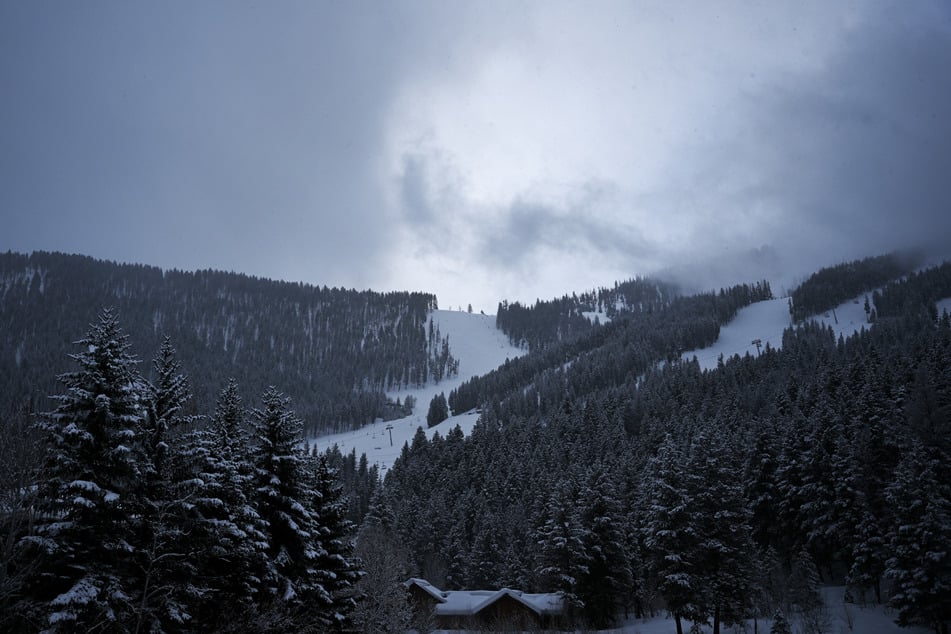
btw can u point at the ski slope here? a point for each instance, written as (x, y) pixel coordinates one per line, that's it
(767, 320)
(480, 348)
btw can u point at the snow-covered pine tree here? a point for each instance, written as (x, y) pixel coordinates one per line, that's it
(337, 570)
(560, 538)
(89, 492)
(724, 555)
(167, 398)
(803, 584)
(669, 533)
(382, 602)
(284, 496)
(780, 624)
(228, 535)
(168, 578)
(920, 542)
(759, 479)
(605, 584)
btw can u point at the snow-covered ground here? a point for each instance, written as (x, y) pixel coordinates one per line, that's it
(480, 348)
(763, 320)
(767, 320)
(601, 316)
(838, 618)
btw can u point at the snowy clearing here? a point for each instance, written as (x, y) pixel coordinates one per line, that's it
(767, 320)
(480, 348)
(838, 618)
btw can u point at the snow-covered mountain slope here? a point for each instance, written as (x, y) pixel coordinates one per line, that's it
(480, 348)
(766, 321)
(763, 320)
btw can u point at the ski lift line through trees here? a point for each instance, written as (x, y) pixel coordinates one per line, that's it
(714, 355)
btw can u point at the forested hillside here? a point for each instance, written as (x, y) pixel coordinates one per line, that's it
(333, 351)
(124, 513)
(610, 354)
(549, 322)
(602, 467)
(829, 287)
(717, 495)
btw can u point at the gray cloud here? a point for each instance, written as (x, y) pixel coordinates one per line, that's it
(415, 198)
(850, 161)
(527, 228)
(233, 136)
(261, 139)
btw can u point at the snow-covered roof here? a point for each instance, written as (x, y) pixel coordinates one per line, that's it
(471, 602)
(427, 587)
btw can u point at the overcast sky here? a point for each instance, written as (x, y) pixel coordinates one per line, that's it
(478, 150)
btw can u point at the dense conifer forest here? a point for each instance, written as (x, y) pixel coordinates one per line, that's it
(833, 285)
(611, 353)
(558, 320)
(333, 351)
(717, 495)
(602, 467)
(139, 517)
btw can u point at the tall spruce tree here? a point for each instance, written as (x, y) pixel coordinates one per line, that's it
(561, 539)
(604, 586)
(723, 558)
(284, 497)
(170, 582)
(669, 533)
(382, 605)
(338, 571)
(89, 498)
(228, 535)
(920, 542)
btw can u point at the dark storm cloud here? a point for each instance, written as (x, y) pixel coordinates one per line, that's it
(874, 170)
(225, 135)
(414, 191)
(453, 146)
(855, 159)
(527, 228)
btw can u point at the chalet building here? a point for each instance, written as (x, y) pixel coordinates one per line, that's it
(500, 610)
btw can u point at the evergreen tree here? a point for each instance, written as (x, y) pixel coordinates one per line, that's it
(920, 542)
(168, 575)
(438, 410)
(20, 454)
(89, 494)
(382, 602)
(284, 497)
(228, 535)
(560, 538)
(724, 554)
(337, 569)
(780, 624)
(803, 584)
(603, 587)
(670, 535)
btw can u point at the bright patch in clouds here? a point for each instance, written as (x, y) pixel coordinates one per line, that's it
(594, 145)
